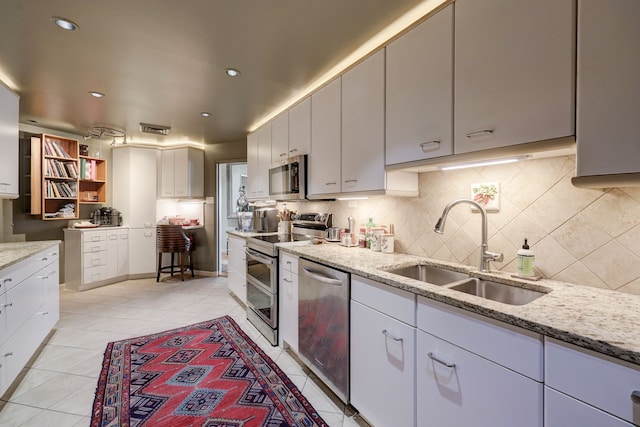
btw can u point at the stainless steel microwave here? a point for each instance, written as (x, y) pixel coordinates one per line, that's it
(288, 181)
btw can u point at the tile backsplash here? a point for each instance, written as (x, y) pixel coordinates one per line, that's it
(586, 237)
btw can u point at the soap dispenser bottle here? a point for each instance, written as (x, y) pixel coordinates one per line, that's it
(526, 261)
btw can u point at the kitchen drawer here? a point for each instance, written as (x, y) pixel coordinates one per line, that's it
(94, 274)
(596, 379)
(561, 410)
(510, 346)
(471, 390)
(94, 259)
(15, 274)
(97, 246)
(94, 236)
(289, 262)
(22, 301)
(391, 301)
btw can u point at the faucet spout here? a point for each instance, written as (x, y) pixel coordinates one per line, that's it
(485, 255)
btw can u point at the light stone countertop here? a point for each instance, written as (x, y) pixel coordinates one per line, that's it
(604, 321)
(14, 252)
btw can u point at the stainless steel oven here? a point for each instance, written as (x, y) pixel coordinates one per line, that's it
(262, 270)
(262, 293)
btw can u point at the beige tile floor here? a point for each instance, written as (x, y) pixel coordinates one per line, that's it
(58, 385)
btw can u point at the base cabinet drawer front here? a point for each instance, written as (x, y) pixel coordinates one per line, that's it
(289, 262)
(94, 236)
(593, 378)
(94, 259)
(561, 410)
(17, 273)
(382, 368)
(458, 388)
(507, 345)
(19, 347)
(93, 247)
(94, 274)
(22, 301)
(394, 302)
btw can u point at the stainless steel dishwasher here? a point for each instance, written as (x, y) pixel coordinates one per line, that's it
(323, 324)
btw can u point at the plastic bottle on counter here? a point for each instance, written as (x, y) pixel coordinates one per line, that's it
(525, 261)
(368, 226)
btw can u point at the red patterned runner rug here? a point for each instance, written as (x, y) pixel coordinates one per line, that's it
(208, 374)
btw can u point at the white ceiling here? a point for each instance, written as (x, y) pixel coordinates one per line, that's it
(162, 61)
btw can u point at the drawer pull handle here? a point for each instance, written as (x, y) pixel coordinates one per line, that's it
(389, 335)
(429, 146)
(7, 354)
(44, 258)
(7, 280)
(287, 280)
(43, 313)
(9, 304)
(480, 133)
(440, 361)
(635, 396)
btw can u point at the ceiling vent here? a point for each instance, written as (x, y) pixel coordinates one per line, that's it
(154, 129)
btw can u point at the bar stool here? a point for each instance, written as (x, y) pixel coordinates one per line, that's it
(172, 239)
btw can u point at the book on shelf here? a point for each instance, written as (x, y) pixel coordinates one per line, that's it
(53, 147)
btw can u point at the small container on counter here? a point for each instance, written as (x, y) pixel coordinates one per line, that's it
(376, 237)
(387, 243)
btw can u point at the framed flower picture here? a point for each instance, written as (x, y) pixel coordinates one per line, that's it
(487, 194)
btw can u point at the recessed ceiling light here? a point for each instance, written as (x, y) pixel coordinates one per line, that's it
(232, 72)
(96, 94)
(65, 24)
(205, 114)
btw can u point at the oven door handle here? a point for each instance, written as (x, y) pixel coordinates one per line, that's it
(321, 277)
(257, 255)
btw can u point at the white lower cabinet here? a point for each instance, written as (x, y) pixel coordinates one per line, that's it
(288, 301)
(585, 388)
(29, 297)
(475, 371)
(383, 353)
(142, 251)
(95, 257)
(237, 274)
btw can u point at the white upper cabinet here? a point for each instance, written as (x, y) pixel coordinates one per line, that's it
(8, 143)
(280, 138)
(514, 72)
(258, 162)
(363, 126)
(300, 128)
(419, 90)
(323, 169)
(182, 173)
(608, 93)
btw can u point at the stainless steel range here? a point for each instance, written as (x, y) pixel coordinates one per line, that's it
(262, 269)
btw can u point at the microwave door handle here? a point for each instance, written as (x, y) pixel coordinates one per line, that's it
(258, 256)
(321, 277)
(293, 177)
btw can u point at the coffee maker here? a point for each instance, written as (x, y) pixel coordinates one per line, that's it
(106, 217)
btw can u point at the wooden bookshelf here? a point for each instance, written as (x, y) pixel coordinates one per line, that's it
(57, 166)
(92, 180)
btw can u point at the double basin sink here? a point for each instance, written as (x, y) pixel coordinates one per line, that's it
(462, 282)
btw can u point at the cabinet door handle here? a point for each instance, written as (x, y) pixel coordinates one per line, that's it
(635, 396)
(282, 154)
(430, 145)
(330, 183)
(293, 150)
(479, 133)
(9, 304)
(286, 280)
(7, 354)
(389, 335)
(5, 281)
(350, 180)
(44, 258)
(440, 361)
(43, 313)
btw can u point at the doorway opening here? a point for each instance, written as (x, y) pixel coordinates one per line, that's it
(232, 184)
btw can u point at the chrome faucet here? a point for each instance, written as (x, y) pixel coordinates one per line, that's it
(485, 255)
